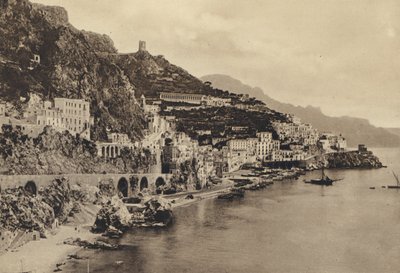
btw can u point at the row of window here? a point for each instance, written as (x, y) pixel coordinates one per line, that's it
(70, 104)
(57, 121)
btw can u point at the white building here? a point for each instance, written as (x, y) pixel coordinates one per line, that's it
(67, 114)
(266, 145)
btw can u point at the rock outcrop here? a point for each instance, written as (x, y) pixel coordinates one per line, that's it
(114, 218)
(53, 152)
(113, 215)
(366, 160)
(22, 210)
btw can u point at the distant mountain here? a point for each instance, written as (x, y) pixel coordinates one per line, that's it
(395, 131)
(356, 130)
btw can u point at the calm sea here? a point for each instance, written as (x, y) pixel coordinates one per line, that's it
(289, 227)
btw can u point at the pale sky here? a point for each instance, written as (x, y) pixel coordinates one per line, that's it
(342, 56)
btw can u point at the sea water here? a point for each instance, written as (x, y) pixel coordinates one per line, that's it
(288, 227)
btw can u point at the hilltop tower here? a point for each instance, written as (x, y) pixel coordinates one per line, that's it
(142, 45)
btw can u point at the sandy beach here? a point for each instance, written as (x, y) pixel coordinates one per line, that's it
(43, 255)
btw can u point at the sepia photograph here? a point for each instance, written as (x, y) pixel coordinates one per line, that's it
(202, 136)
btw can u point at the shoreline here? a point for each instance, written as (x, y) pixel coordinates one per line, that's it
(43, 255)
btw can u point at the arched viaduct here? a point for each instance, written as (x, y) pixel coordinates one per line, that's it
(127, 184)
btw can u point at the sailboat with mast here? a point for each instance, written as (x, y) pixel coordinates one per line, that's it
(398, 182)
(323, 181)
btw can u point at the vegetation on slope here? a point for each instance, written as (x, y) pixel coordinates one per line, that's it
(355, 130)
(56, 153)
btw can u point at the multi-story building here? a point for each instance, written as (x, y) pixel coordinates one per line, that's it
(67, 114)
(287, 155)
(242, 150)
(264, 136)
(266, 145)
(329, 141)
(296, 131)
(237, 145)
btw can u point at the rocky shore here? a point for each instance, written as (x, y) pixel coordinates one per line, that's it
(345, 160)
(353, 160)
(112, 215)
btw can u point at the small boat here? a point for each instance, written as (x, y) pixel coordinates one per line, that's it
(233, 194)
(323, 181)
(395, 186)
(372, 188)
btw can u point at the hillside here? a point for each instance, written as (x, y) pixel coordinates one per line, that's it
(56, 153)
(80, 64)
(73, 64)
(356, 130)
(222, 121)
(154, 74)
(395, 131)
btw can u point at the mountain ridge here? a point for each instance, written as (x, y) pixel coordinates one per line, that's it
(356, 130)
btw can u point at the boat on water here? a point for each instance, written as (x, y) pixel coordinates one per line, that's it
(323, 181)
(398, 183)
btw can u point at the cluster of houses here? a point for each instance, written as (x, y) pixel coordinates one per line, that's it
(173, 148)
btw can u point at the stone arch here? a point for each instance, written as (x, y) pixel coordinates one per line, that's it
(123, 186)
(108, 151)
(133, 182)
(103, 151)
(116, 151)
(160, 182)
(31, 188)
(144, 183)
(112, 152)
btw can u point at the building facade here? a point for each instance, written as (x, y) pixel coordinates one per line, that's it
(67, 114)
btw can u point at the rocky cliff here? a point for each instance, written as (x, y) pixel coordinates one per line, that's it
(73, 64)
(352, 160)
(56, 153)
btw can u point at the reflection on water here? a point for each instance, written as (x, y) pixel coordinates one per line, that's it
(290, 227)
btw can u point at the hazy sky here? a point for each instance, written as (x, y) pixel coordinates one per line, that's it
(343, 56)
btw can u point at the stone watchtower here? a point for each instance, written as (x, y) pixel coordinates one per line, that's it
(142, 45)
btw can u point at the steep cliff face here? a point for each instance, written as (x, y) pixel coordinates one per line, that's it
(73, 64)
